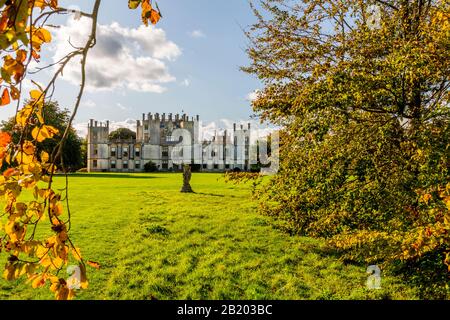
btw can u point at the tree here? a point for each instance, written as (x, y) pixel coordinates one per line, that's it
(364, 102)
(122, 134)
(27, 171)
(58, 118)
(150, 167)
(83, 150)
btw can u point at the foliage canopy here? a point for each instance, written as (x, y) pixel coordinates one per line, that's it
(365, 108)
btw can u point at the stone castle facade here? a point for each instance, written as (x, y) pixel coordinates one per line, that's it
(168, 141)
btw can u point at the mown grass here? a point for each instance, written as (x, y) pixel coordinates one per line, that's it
(154, 242)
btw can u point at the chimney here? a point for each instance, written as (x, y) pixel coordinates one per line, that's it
(107, 123)
(138, 123)
(234, 126)
(91, 122)
(197, 117)
(170, 117)
(177, 117)
(163, 117)
(143, 117)
(157, 116)
(96, 123)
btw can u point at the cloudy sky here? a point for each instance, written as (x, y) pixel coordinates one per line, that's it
(189, 62)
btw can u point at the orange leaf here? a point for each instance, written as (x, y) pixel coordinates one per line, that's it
(5, 139)
(93, 264)
(15, 93)
(21, 56)
(154, 16)
(5, 98)
(10, 172)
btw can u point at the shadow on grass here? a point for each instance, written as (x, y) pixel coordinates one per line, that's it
(109, 175)
(210, 194)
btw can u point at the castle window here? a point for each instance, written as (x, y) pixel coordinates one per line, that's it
(247, 140)
(165, 164)
(213, 153)
(181, 152)
(235, 141)
(165, 151)
(205, 166)
(146, 127)
(216, 166)
(94, 163)
(137, 164)
(113, 151)
(125, 165)
(227, 166)
(161, 125)
(138, 152)
(169, 138)
(95, 151)
(125, 152)
(113, 164)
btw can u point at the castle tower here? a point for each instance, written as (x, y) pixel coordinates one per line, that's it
(97, 146)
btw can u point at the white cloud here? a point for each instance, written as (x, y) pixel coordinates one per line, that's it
(122, 107)
(186, 83)
(258, 130)
(197, 34)
(81, 128)
(252, 96)
(89, 104)
(123, 58)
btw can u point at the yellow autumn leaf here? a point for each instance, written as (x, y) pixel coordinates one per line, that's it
(44, 157)
(23, 158)
(37, 96)
(23, 115)
(43, 35)
(28, 147)
(44, 132)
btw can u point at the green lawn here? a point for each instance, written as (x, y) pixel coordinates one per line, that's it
(153, 241)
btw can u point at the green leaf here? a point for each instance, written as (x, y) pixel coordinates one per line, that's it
(133, 4)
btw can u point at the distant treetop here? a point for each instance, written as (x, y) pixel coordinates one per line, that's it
(122, 134)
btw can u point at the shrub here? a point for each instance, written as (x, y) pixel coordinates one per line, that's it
(150, 167)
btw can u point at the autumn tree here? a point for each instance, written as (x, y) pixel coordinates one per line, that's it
(58, 118)
(27, 169)
(361, 89)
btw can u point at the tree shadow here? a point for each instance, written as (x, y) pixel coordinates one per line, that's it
(211, 194)
(109, 175)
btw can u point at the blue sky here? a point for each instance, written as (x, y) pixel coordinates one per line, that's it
(202, 48)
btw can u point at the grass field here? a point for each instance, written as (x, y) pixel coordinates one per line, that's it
(154, 242)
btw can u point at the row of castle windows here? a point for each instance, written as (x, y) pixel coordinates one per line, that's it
(137, 164)
(125, 152)
(165, 152)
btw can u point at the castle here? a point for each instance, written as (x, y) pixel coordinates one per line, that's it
(169, 142)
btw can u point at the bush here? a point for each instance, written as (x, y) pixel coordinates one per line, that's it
(150, 167)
